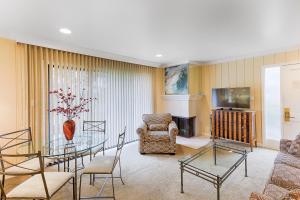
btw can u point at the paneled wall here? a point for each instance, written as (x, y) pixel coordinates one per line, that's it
(239, 73)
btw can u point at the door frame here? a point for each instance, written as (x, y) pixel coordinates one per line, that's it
(272, 144)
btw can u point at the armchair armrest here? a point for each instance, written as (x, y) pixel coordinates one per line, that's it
(142, 129)
(173, 130)
(258, 196)
(285, 145)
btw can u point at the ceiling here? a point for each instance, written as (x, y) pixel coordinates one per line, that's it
(136, 30)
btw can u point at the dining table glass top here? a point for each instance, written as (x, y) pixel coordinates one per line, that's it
(82, 142)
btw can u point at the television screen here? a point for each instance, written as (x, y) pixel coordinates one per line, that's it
(231, 97)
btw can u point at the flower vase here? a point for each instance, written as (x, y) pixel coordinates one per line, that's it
(69, 129)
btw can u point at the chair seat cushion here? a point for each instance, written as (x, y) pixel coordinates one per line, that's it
(34, 187)
(155, 136)
(286, 176)
(100, 165)
(275, 192)
(158, 127)
(24, 167)
(288, 159)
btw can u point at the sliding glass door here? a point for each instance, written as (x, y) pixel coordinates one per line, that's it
(123, 92)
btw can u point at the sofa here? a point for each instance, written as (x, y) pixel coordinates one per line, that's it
(284, 181)
(157, 134)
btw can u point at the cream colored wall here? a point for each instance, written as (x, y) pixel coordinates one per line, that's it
(159, 90)
(8, 86)
(239, 73)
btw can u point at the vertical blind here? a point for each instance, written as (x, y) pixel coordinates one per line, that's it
(123, 93)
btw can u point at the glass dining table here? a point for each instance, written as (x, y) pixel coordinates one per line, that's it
(59, 150)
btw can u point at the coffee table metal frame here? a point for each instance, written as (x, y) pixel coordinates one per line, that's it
(216, 180)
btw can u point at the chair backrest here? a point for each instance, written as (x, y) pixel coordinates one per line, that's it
(16, 138)
(97, 126)
(161, 118)
(121, 142)
(6, 163)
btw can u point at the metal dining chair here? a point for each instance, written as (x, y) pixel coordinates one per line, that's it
(20, 140)
(41, 184)
(105, 165)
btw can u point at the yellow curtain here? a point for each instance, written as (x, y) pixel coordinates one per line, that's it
(33, 64)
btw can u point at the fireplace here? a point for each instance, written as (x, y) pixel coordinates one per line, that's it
(186, 125)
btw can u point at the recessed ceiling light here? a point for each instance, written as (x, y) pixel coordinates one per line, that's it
(158, 55)
(65, 31)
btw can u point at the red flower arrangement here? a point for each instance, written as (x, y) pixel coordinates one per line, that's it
(67, 107)
(67, 104)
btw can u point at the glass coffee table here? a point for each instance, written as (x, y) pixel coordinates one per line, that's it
(215, 163)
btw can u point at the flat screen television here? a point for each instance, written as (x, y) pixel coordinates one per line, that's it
(232, 98)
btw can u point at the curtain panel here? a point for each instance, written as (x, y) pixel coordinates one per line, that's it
(124, 91)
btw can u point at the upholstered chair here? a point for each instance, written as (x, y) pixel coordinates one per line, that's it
(157, 134)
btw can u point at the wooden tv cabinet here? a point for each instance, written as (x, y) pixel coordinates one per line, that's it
(235, 125)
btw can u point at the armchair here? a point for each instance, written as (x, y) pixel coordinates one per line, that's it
(157, 134)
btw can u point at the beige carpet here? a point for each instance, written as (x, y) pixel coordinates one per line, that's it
(157, 177)
(193, 142)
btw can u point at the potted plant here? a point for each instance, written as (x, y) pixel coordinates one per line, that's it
(70, 106)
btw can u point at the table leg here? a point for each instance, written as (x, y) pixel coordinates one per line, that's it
(64, 163)
(246, 170)
(91, 161)
(75, 184)
(69, 164)
(181, 172)
(215, 153)
(218, 188)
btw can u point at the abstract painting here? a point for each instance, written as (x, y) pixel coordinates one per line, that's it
(176, 79)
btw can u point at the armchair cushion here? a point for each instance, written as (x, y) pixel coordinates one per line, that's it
(295, 146)
(158, 127)
(156, 136)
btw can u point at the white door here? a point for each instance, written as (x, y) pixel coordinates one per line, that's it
(290, 92)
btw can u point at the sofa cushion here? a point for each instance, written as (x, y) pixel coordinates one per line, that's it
(158, 127)
(292, 195)
(286, 176)
(287, 159)
(295, 146)
(162, 118)
(275, 192)
(257, 196)
(155, 136)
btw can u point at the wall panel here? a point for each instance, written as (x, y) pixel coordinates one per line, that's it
(232, 74)
(240, 73)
